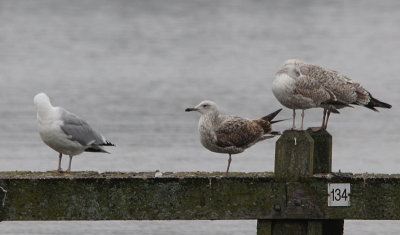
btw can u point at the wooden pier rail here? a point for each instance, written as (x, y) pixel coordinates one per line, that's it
(294, 200)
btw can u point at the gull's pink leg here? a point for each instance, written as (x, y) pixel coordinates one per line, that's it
(302, 119)
(229, 163)
(326, 122)
(323, 119)
(69, 164)
(323, 123)
(294, 120)
(59, 163)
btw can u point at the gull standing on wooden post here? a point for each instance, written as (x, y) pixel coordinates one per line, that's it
(65, 132)
(230, 134)
(299, 85)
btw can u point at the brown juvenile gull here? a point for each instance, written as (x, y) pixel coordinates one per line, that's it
(65, 132)
(230, 134)
(298, 85)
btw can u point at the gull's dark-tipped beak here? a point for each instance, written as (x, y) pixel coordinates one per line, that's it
(190, 109)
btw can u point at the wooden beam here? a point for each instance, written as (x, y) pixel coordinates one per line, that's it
(192, 196)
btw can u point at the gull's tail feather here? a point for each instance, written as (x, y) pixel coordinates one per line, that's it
(107, 143)
(275, 133)
(272, 122)
(271, 116)
(266, 122)
(270, 135)
(377, 103)
(96, 148)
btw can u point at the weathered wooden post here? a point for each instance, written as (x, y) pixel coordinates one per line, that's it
(322, 162)
(298, 155)
(3, 195)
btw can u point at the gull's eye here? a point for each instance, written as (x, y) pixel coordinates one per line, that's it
(205, 105)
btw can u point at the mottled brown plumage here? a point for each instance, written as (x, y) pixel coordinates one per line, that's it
(239, 132)
(230, 134)
(299, 85)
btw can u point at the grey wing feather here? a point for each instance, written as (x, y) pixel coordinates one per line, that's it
(79, 130)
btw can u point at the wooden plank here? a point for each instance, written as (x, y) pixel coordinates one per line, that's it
(188, 196)
(137, 196)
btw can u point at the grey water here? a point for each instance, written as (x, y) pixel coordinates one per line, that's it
(130, 68)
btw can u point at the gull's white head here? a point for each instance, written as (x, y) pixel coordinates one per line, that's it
(291, 68)
(41, 99)
(294, 72)
(205, 107)
(295, 62)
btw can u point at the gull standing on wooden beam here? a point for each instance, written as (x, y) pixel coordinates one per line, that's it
(230, 134)
(65, 132)
(299, 85)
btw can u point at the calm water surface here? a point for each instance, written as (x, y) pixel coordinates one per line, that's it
(130, 68)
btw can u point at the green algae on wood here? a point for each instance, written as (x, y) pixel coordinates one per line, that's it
(264, 227)
(136, 197)
(294, 155)
(140, 196)
(93, 174)
(322, 160)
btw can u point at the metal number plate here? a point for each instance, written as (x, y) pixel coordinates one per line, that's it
(339, 194)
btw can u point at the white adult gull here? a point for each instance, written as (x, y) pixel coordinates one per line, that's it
(65, 132)
(230, 134)
(299, 85)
